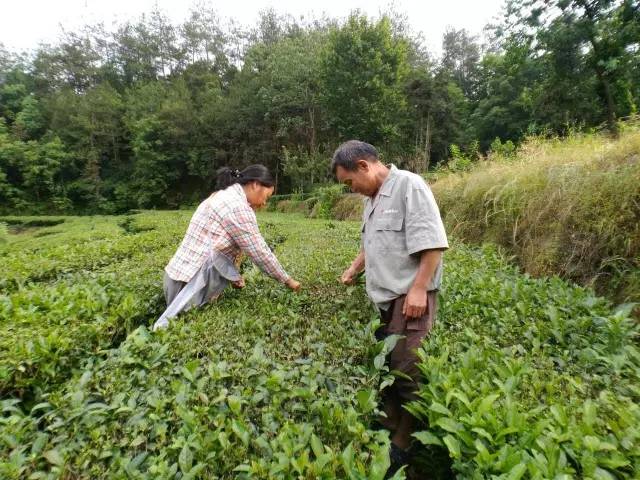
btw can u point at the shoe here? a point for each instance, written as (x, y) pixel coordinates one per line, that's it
(399, 458)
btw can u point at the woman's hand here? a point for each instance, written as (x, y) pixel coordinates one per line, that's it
(238, 283)
(293, 285)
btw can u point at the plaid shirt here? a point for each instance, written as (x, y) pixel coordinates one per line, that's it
(226, 223)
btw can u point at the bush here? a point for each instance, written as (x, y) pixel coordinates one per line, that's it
(287, 206)
(348, 207)
(327, 198)
(523, 377)
(29, 222)
(504, 150)
(310, 203)
(287, 391)
(529, 378)
(460, 161)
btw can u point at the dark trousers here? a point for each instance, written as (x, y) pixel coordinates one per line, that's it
(403, 357)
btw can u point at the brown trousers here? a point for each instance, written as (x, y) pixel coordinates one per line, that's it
(403, 357)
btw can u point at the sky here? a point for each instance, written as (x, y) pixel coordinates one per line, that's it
(25, 23)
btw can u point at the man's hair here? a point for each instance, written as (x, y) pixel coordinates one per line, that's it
(348, 154)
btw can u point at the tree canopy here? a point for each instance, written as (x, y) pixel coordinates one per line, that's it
(144, 115)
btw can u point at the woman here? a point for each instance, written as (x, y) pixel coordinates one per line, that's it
(223, 226)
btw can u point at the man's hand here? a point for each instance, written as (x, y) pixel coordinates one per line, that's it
(415, 304)
(293, 285)
(238, 283)
(348, 276)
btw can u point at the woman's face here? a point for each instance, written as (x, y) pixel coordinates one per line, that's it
(258, 194)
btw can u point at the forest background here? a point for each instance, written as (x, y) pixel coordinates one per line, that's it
(142, 116)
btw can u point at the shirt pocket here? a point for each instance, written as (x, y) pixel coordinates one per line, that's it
(389, 234)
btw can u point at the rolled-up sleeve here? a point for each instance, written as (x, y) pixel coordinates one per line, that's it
(241, 224)
(423, 224)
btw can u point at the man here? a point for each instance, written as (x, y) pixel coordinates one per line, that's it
(403, 238)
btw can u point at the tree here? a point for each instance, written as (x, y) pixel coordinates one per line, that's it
(505, 106)
(203, 39)
(364, 71)
(461, 60)
(10, 174)
(73, 63)
(136, 53)
(598, 32)
(41, 164)
(29, 171)
(305, 169)
(566, 95)
(440, 109)
(30, 122)
(160, 119)
(292, 91)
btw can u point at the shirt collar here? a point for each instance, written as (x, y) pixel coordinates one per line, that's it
(237, 188)
(387, 185)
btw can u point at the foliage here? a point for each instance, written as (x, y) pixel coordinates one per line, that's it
(364, 71)
(529, 378)
(327, 197)
(585, 47)
(502, 149)
(459, 160)
(309, 170)
(264, 383)
(288, 390)
(143, 116)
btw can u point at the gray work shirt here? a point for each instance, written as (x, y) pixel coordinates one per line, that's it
(400, 222)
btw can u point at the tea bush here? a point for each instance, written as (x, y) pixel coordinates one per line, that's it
(75, 296)
(523, 378)
(529, 378)
(262, 384)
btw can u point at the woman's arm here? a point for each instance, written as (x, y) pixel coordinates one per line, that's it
(242, 226)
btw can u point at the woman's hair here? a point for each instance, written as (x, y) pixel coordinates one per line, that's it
(253, 173)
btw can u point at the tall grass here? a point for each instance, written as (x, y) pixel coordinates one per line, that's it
(562, 206)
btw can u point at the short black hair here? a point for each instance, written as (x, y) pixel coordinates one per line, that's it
(348, 154)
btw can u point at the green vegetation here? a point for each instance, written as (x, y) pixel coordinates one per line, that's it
(523, 378)
(568, 207)
(144, 115)
(263, 384)
(329, 202)
(529, 378)
(53, 284)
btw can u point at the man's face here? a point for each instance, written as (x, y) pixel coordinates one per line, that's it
(361, 180)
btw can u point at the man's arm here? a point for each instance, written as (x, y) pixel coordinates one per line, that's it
(357, 266)
(415, 304)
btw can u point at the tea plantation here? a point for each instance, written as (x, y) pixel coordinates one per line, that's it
(523, 378)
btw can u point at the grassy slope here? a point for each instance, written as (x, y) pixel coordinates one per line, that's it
(569, 207)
